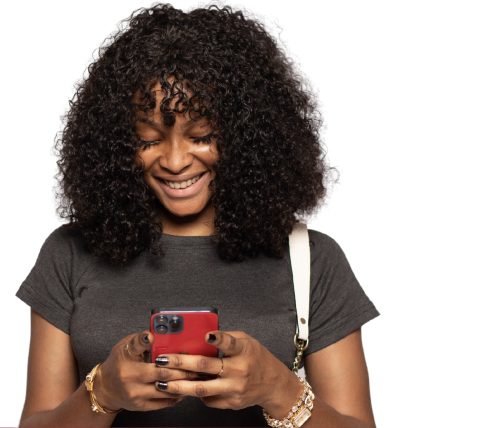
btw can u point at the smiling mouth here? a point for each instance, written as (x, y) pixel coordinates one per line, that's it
(183, 184)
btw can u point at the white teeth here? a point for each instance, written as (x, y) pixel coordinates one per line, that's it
(181, 184)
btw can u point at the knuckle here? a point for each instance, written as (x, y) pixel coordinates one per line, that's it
(200, 391)
(248, 350)
(173, 389)
(237, 403)
(202, 365)
(122, 374)
(232, 343)
(243, 372)
(240, 388)
(175, 361)
(163, 374)
(131, 395)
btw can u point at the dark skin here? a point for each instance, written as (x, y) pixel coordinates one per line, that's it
(252, 375)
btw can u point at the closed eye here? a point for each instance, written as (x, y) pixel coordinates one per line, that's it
(205, 138)
(146, 144)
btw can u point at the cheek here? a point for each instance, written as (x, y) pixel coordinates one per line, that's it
(144, 160)
(207, 154)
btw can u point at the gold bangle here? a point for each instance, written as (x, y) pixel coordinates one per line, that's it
(93, 399)
(299, 414)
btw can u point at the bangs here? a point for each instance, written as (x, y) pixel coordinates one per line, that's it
(175, 94)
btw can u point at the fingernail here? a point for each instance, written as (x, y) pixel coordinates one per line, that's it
(161, 361)
(162, 385)
(145, 339)
(211, 338)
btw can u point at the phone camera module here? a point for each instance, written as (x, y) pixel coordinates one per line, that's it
(161, 329)
(175, 323)
(161, 320)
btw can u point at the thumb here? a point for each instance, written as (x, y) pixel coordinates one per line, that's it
(137, 344)
(226, 342)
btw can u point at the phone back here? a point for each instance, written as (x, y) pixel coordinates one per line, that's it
(182, 331)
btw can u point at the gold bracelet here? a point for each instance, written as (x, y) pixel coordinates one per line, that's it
(93, 399)
(299, 414)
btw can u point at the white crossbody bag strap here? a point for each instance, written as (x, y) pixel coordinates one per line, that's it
(300, 260)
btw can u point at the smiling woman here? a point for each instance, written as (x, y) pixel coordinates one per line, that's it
(177, 153)
(191, 146)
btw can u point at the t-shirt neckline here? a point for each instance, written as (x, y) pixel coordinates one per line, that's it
(187, 241)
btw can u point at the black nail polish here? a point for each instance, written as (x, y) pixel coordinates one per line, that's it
(162, 385)
(211, 338)
(161, 361)
(145, 339)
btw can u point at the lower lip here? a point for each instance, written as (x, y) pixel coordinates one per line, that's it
(188, 191)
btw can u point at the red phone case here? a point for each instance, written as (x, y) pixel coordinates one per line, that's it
(197, 322)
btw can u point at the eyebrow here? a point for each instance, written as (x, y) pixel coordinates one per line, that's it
(159, 126)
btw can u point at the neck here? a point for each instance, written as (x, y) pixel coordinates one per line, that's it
(200, 224)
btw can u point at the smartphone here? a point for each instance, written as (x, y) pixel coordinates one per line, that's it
(181, 330)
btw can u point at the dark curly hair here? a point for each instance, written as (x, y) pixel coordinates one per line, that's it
(224, 65)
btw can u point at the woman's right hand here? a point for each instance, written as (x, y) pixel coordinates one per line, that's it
(125, 381)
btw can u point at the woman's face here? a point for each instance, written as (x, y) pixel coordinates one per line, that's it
(178, 159)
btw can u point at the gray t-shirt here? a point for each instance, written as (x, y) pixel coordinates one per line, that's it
(97, 305)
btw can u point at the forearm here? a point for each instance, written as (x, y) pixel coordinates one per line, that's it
(286, 395)
(325, 416)
(75, 411)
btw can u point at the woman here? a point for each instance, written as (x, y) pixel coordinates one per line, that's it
(188, 154)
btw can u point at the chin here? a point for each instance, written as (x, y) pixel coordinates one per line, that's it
(185, 211)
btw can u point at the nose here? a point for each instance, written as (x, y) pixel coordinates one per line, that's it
(176, 156)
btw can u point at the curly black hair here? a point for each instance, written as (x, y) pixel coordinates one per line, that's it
(224, 65)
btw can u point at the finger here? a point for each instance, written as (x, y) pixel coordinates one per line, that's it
(191, 363)
(161, 403)
(138, 344)
(148, 373)
(229, 343)
(165, 375)
(195, 388)
(215, 401)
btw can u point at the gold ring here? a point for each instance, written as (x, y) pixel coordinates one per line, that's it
(133, 355)
(221, 371)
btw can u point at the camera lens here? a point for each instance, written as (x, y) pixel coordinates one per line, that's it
(175, 324)
(161, 329)
(161, 320)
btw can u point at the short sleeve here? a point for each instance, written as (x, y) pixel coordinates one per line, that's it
(49, 287)
(338, 304)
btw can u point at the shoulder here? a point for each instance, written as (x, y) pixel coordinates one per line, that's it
(64, 247)
(329, 265)
(64, 236)
(321, 238)
(324, 246)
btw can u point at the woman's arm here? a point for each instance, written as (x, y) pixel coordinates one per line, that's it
(123, 381)
(251, 375)
(52, 395)
(339, 378)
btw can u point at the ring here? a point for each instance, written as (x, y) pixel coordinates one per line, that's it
(133, 355)
(221, 371)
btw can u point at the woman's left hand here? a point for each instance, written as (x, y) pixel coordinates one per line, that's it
(251, 375)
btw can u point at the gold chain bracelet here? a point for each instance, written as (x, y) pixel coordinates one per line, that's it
(93, 399)
(299, 414)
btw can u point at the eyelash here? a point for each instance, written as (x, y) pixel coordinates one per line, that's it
(204, 139)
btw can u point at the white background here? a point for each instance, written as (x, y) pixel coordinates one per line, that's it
(400, 93)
